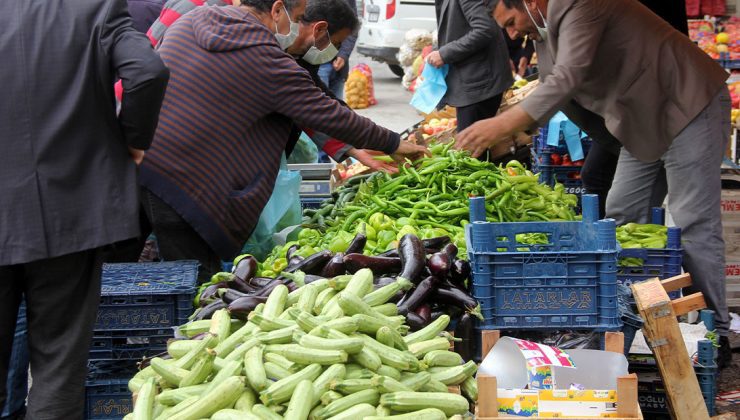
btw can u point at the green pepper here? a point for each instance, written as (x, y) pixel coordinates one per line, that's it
(385, 237)
(341, 242)
(404, 230)
(403, 221)
(279, 265)
(367, 230)
(380, 221)
(309, 237)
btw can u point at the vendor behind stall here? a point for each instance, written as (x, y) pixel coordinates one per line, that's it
(216, 152)
(662, 97)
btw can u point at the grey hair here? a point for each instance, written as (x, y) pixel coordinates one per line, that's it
(337, 13)
(265, 6)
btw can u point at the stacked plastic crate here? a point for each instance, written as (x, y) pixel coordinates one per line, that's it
(567, 283)
(139, 306)
(554, 163)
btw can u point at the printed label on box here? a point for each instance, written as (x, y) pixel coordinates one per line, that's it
(568, 403)
(518, 402)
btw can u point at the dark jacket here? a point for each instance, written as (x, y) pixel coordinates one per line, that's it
(474, 47)
(347, 46)
(67, 181)
(144, 13)
(217, 149)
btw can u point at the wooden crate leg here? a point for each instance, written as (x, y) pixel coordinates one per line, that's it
(488, 340)
(487, 396)
(627, 405)
(614, 342)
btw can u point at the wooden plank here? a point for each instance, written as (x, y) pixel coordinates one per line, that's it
(614, 342)
(677, 282)
(725, 416)
(686, 304)
(487, 396)
(488, 340)
(663, 334)
(627, 405)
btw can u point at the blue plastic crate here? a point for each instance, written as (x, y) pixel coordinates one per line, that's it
(662, 263)
(570, 283)
(128, 345)
(107, 399)
(651, 391)
(146, 295)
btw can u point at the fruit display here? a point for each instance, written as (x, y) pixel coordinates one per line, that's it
(298, 357)
(438, 125)
(716, 38)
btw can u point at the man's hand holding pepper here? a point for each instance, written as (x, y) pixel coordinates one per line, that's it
(489, 132)
(409, 150)
(366, 158)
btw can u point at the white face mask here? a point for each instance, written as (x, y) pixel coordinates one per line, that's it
(542, 31)
(316, 56)
(286, 41)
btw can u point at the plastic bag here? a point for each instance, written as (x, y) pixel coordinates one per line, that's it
(430, 88)
(305, 151)
(283, 210)
(359, 90)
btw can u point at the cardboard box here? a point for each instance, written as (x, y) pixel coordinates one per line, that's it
(732, 278)
(730, 202)
(731, 235)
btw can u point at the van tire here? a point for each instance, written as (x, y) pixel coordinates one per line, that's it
(396, 69)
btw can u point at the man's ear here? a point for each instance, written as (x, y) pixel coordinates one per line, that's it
(278, 8)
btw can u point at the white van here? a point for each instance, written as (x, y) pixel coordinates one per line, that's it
(384, 26)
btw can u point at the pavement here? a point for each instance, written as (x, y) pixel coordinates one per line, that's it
(392, 110)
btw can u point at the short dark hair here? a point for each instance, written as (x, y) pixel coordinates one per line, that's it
(265, 6)
(337, 13)
(509, 4)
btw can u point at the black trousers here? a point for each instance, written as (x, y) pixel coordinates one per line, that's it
(62, 296)
(178, 240)
(468, 115)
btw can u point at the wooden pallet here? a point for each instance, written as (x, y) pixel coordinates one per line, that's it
(628, 408)
(663, 334)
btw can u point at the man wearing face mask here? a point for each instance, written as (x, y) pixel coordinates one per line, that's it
(659, 95)
(216, 152)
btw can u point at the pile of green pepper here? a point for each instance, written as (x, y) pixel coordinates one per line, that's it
(429, 198)
(634, 235)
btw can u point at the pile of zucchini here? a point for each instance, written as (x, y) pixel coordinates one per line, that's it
(347, 359)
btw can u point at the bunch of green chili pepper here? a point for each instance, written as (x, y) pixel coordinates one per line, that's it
(430, 196)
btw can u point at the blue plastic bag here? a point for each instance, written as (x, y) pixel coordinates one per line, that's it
(560, 124)
(430, 88)
(282, 210)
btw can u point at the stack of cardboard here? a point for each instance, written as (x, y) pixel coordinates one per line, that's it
(731, 233)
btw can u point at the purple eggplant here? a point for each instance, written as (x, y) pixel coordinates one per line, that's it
(208, 311)
(464, 330)
(313, 264)
(436, 243)
(310, 278)
(394, 252)
(418, 295)
(289, 253)
(425, 312)
(457, 297)
(460, 272)
(260, 282)
(295, 260)
(413, 257)
(415, 321)
(246, 268)
(451, 250)
(267, 289)
(230, 295)
(357, 245)
(439, 264)
(383, 281)
(334, 267)
(290, 284)
(241, 285)
(379, 265)
(210, 292)
(240, 308)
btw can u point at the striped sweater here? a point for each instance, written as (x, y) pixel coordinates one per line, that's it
(216, 152)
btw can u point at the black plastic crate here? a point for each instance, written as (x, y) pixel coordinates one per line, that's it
(107, 399)
(129, 345)
(146, 295)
